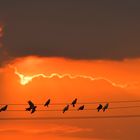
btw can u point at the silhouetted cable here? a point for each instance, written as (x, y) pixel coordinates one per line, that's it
(121, 101)
(78, 117)
(111, 108)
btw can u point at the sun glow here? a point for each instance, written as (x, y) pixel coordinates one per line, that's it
(24, 80)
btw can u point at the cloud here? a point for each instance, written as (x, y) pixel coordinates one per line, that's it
(90, 30)
(51, 129)
(63, 129)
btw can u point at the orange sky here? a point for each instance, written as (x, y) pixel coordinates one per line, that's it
(65, 90)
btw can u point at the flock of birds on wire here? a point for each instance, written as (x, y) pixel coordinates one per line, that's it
(32, 107)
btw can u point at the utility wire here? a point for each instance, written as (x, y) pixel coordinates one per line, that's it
(121, 101)
(78, 117)
(111, 108)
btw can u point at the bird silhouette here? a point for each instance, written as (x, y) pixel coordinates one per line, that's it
(47, 102)
(65, 108)
(31, 107)
(74, 102)
(99, 107)
(105, 107)
(81, 107)
(4, 108)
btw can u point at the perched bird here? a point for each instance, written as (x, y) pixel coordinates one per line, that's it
(81, 107)
(4, 108)
(99, 107)
(47, 103)
(31, 107)
(65, 108)
(105, 107)
(74, 102)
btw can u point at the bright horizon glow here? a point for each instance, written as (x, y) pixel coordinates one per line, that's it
(24, 80)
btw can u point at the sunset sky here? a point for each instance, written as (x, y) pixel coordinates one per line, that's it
(62, 50)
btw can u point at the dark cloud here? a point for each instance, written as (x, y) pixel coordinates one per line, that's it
(78, 30)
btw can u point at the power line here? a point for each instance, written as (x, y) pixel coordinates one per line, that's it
(111, 108)
(74, 118)
(121, 101)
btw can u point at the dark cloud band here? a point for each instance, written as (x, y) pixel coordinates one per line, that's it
(76, 30)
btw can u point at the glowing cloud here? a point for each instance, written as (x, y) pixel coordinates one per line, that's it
(24, 80)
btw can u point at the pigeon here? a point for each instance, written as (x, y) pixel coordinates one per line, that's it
(74, 102)
(65, 108)
(81, 107)
(105, 107)
(99, 107)
(31, 107)
(4, 108)
(47, 102)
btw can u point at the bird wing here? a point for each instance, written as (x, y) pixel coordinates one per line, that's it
(34, 109)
